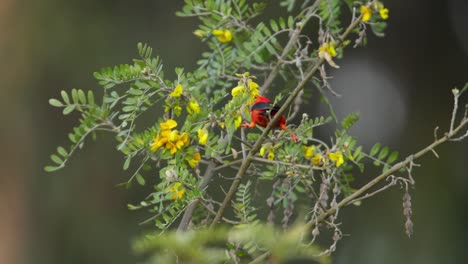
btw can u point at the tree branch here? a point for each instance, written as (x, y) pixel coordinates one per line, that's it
(384, 175)
(246, 163)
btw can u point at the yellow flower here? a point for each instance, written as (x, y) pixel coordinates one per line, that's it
(328, 51)
(271, 154)
(254, 92)
(177, 110)
(173, 136)
(158, 142)
(253, 85)
(328, 48)
(237, 90)
(168, 125)
(193, 107)
(238, 121)
(337, 157)
(317, 160)
(194, 160)
(184, 138)
(175, 191)
(171, 139)
(223, 35)
(262, 151)
(366, 13)
(177, 91)
(309, 152)
(383, 13)
(202, 136)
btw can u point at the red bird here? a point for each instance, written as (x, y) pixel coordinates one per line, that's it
(260, 113)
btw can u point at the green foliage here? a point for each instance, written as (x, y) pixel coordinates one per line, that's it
(222, 245)
(197, 134)
(330, 12)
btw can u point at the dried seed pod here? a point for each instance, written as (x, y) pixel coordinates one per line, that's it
(407, 212)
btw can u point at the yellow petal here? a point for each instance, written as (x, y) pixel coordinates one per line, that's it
(168, 125)
(309, 151)
(177, 91)
(238, 121)
(337, 158)
(253, 85)
(173, 136)
(271, 154)
(157, 143)
(383, 13)
(193, 107)
(262, 151)
(202, 136)
(237, 90)
(366, 13)
(217, 32)
(225, 37)
(317, 159)
(185, 138)
(194, 160)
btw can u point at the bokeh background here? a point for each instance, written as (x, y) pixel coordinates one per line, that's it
(400, 84)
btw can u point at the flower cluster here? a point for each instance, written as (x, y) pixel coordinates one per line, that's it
(246, 86)
(173, 102)
(173, 140)
(378, 7)
(194, 159)
(223, 35)
(267, 148)
(176, 191)
(318, 160)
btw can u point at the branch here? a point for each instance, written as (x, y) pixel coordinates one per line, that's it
(295, 36)
(263, 136)
(389, 172)
(192, 206)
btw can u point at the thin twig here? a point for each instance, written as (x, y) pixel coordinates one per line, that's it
(292, 40)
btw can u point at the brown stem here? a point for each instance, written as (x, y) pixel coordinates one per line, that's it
(193, 205)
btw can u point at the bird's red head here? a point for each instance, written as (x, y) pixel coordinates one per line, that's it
(261, 99)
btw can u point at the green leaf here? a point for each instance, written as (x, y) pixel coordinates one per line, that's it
(90, 97)
(140, 179)
(349, 120)
(82, 96)
(65, 98)
(62, 152)
(127, 162)
(56, 159)
(374, 150)
(383, 153)
(55, 102)
(52, 168)
(393, 157)
(273, 25)
(68, 109)
(75, 98)
(290, 22)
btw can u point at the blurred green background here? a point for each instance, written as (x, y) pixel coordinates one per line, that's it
(401, 84)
